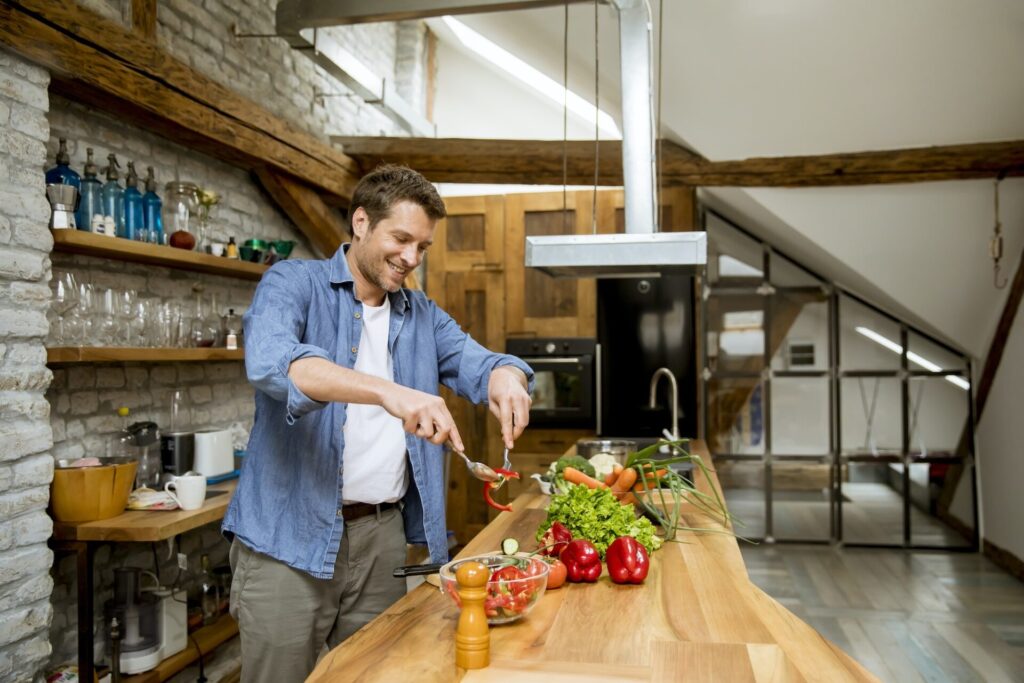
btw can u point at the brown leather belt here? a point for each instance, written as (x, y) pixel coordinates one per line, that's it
(357, 510)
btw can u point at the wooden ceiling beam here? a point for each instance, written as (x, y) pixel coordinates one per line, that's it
(322, 224)
(540, 162)
(103, 64)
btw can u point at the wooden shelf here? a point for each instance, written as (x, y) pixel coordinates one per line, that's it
(149, 525)
(64, 355)
(91, 244)
(207, 638)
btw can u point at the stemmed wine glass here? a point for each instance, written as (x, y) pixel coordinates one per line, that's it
(65, 299)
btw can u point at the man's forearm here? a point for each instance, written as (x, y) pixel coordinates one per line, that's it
(323, 380)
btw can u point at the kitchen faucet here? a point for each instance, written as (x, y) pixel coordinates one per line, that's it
(658, 374)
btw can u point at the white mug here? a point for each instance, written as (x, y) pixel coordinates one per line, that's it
(189, 491)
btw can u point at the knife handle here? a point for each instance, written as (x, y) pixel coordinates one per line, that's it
(416, 570)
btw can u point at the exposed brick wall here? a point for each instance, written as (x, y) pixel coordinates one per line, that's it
(26, 466)
(75, 414)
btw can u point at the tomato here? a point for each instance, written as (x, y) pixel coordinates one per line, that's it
(556, 574)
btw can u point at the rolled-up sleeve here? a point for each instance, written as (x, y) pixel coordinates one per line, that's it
(464, 365)
(274, 327)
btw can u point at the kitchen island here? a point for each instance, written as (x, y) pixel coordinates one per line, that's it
(697, 617)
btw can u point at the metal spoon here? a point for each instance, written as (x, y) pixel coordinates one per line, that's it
(477, 469)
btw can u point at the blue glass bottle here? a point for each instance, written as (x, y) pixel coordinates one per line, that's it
(62, 174)
(90, 201)
(113, 197)
(134, 227)
(151, 207)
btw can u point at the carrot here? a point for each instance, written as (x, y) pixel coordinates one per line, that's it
(627, 499)
(625, 482)
(652, 481)
(574, 476)
(610, 478)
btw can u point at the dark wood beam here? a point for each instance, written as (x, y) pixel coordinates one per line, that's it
(998, 346)
(540, 162)
(144, 19)
(322, 224)
(100, 63)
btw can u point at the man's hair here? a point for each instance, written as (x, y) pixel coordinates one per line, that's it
(389, 184)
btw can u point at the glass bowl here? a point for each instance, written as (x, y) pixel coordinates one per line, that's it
(516, 584)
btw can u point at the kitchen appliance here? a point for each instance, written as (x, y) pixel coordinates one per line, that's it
(63, 199)
(564, 371)
(153, 623)
(214, 452)
(643, 325)
(177, 451)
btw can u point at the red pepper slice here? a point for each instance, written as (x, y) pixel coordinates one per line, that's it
(488, 486)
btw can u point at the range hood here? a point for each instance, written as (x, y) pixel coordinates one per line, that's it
(642, 251)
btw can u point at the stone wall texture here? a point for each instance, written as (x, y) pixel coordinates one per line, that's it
(26, 465)
(70, 411)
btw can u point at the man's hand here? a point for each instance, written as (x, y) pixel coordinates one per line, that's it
(422, 414)
(509, 401)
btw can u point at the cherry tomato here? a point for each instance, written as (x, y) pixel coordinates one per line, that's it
(556, 574)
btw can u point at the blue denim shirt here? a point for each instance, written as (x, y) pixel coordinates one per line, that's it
(288, 501)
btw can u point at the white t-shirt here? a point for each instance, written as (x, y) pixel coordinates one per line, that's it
(375, 453)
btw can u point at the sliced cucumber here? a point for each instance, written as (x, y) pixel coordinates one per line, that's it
(510, 546)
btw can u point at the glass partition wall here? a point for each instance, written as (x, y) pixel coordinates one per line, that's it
(830, 420)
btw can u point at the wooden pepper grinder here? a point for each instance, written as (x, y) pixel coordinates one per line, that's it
(473, 636)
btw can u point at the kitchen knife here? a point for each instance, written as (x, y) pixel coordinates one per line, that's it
(416, 570)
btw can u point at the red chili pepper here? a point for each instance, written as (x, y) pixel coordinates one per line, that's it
(490, 485)
(555, 539)
(627, 560)
(582, 561)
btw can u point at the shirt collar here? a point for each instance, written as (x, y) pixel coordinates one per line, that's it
(342, 274)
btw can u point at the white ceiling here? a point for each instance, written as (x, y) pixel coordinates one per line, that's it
(746, 78)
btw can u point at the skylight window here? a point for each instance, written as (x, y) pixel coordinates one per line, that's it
(911, 356)
(516, 67)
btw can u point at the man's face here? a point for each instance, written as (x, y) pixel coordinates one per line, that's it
(387, 254)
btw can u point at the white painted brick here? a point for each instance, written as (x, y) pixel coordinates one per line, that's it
(84, 402)
(32, 233)
(14, 323)
(130, 398)
(21, 264)
(23, 91)
(32, 471)
(22, 437)
(6, 477)
(30, 590)
(219, 372)
(24, 404)
(37, 295)
(5, 230)
(58, 425)
(18, 203)
(136, 378)
(21, 623)
(30, 121)
(16, 502)
(103, 423)
(190, 373)
(24, 380)
(63, 403)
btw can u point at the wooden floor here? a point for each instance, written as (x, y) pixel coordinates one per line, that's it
(906, 616)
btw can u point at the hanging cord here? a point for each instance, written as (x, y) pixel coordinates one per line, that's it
(565, 120)
(658, 137)
(597, 129)
(995, 246)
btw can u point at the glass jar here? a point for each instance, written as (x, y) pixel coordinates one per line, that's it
(181, 201)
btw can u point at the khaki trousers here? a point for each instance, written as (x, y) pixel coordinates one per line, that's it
(285, 616)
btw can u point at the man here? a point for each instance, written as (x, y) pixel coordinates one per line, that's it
(344, 461)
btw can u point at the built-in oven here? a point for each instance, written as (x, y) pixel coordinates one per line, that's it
(564, 367)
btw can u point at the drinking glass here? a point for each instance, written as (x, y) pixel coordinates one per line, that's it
(65, 299)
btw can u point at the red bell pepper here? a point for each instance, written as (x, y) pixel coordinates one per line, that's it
(582, 561)
(490, 485)
(555, 539)
(627, 560)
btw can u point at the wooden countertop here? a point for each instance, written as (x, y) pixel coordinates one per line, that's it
(152, 525)
(696, 618)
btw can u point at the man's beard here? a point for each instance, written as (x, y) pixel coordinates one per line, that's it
(377, 275)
